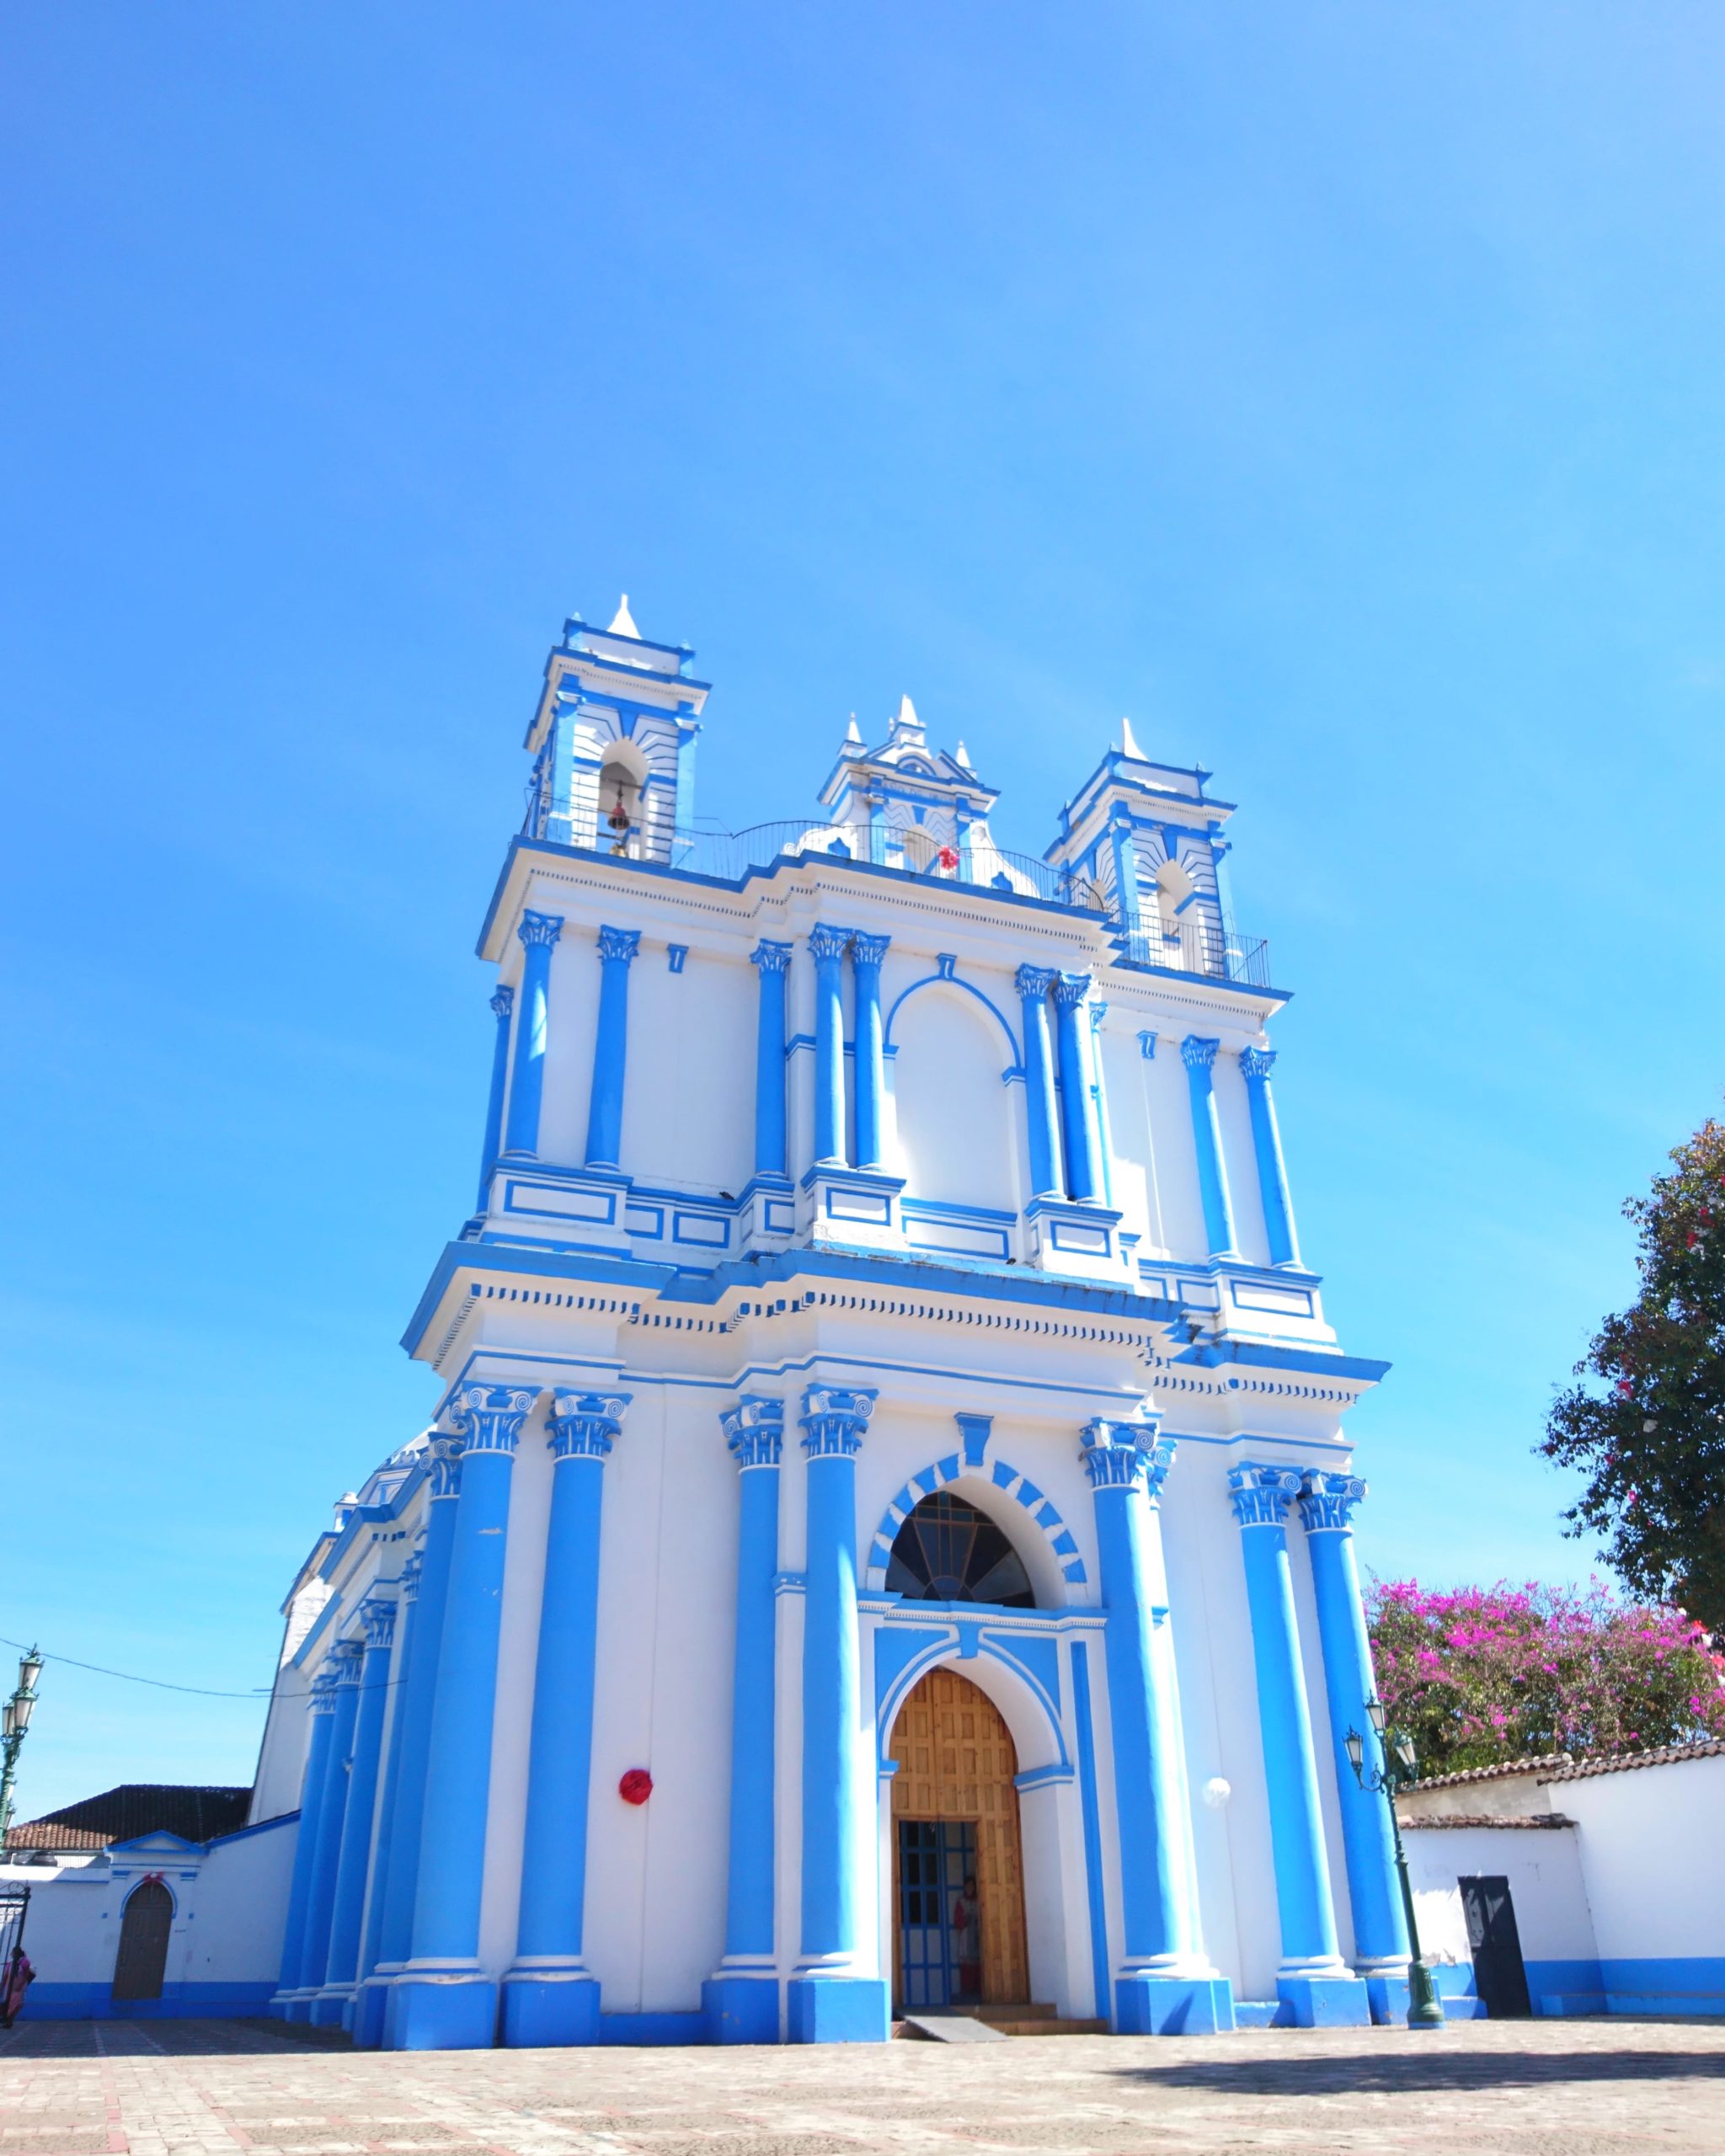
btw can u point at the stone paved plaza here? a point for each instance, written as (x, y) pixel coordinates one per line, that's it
(1513, 2089)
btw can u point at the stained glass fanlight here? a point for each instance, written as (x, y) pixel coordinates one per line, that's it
(949, 1552)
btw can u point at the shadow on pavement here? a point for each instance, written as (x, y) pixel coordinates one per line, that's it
(1357, 2072)
(173, 2039)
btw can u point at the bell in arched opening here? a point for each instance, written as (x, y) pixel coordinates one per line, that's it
(949, 1552)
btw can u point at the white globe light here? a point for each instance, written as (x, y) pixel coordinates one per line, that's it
(1216, 1792)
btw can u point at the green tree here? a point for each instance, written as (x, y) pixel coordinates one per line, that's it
(1478, 1675)
(1647, 1423)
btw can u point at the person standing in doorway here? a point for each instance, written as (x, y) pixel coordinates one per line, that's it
(967, 1940)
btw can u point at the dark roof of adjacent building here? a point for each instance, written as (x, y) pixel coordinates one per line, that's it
(194, 1810)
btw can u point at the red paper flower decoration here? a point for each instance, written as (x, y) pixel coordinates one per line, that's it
(948, 858)
(635, 1786)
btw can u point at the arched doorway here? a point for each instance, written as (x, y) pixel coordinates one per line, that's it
(142, 1959)
(954, 1818)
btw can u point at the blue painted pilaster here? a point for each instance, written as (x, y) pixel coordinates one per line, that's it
(1077, 1088)
(365, 2022)
(444, 2000)
(1200, 1056)
(550, 1996)
(1125, 846)
(344, 1659)
(830, 1997)
(605, 1110)
(538, 931)
(828, 947)
(742, 2000)
(419, 1690)
(1163, 1985)
(313, 1793)
(1041, 1113)
(360, 1818)
(1313, 1980)
(1255, 1064)
(1099, 1094)
(502, 1003)
(1326, 1503)
(867, 953)
(773, 960)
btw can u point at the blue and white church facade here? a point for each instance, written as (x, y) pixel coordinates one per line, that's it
(886, 1538)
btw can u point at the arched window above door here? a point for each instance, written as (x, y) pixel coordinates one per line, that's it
(948, 1551)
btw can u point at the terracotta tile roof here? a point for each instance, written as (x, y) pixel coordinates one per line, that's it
(1493, 1772)
(1542, 1819)
(50, 1834)
(1619, 1762)
(194, 1810)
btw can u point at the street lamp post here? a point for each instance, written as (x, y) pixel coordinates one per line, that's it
(1400, 1768)
(13, 1725)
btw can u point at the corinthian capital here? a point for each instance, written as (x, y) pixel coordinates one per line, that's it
(619, 944)
(1261, 1494)
(754, 1430)
(1200, 1053)
(377, 1615)
(828, 944)
(771, 958)
(584, 1425)
(540, 928)
(444, 1462)
(503, 1002)
(834, 1418)
(1257, 1063)
(489, 1417)
(1119, 1455)
(869, 950)
(1034, 982)
(1071, 989)
(1327, 1501)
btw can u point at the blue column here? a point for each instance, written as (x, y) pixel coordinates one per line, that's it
(419, 1692)
(831, 2000)
(444, 2001)
(344, 1659)
(1164, 1985)
(501, 1005)
(605, 1109)
(1313, 1980)
(360, 1818)
(1201, 1057)
(742, 1998)
(1326, 1503)
(1098, 1092)
(867, 953)
(1077, 1091)
(365, 2022)
(1255, 1064)
(550, 1996)
(1124, 846)
(1041, 1113)
(828, 946)
(538, 931)
(314, 1785)
(771, 1157)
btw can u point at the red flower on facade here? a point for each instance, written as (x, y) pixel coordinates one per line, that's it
(635, 1786)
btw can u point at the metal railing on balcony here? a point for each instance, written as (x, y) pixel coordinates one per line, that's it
(730, 855)
(1194, 943)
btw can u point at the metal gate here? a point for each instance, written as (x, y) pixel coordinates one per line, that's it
(142, 1959)
(936, 1856)
(14, 1907)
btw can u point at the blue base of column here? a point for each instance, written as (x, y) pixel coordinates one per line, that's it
(1325, 2002)
(542, 2012)
(369, 2006)
(429, 2015)
(1173, 2006)
(741, 2009)
(838, 2010)
(328, 2009)
(298, 2009)
(1390, 2001)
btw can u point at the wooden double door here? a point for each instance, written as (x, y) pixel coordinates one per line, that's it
(954, 1814)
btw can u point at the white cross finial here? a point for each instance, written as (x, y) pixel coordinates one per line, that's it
(623, 622)
(1128, 743)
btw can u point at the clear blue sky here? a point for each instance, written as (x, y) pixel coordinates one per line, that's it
(1338, 389)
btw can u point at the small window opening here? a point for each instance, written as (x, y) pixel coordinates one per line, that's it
(949, 1552)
